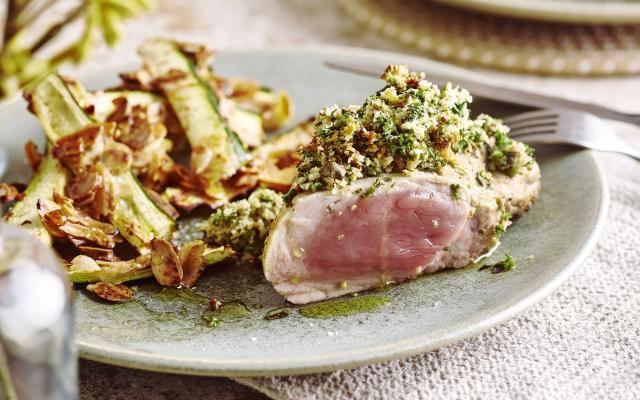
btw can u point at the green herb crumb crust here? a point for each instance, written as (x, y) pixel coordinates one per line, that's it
(244, 224)
(409, 125)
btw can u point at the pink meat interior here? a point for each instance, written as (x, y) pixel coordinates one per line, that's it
(392, 232)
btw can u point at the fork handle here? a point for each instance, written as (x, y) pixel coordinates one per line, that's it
(527, 98)
(553, 139)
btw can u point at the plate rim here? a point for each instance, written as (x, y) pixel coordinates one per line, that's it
(347, 359)
(567, 11)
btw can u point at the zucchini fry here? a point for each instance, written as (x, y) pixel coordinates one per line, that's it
(104, 106)
(84, 269)
(49, 177)
(274, 108)
(277, 158)
(248, 125)
(217, 151)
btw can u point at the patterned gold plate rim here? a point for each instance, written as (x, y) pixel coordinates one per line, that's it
(480, 40)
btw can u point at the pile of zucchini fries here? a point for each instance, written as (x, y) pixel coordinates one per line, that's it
(109, 179)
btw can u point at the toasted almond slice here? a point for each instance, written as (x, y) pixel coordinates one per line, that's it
(52, 216)
(201, 157)
(192, 259)
(81, 218)
(86, 201)
(33, 155)
(62, 220)
(88, 233)
(162, 203)
(110, 291)
(165, 263)
(136, 80)
(82, 187)
(117, 157)
(76, 242)
(242, 182)
(45, 206)
(201, 56)
(186, 179)
(106, 195)
(97, 253)
(9, 193)
(188, 201)
(288, 159)
(120, 111)
(81, 149)
(114, 271)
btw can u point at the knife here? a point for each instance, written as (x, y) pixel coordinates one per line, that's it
(508, 95)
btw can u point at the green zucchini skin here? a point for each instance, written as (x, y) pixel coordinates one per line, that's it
(50, 177)
(218, 152)
(135, 215)
(55, 107)
(248, 126)
(108, 276)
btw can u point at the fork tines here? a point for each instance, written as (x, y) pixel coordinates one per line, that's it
(536, 122)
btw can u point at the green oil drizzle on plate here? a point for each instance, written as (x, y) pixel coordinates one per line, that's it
(160, 316)
(228, 311)
(186, 295)
(342, 307)
(173, 304)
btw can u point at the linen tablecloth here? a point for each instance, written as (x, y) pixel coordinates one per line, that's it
(582, 342)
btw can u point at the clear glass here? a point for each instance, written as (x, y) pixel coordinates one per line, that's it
(37, 355)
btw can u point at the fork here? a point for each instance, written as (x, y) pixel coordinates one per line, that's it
(561, 126)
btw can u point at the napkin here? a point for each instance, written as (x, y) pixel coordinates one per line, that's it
(581, 342)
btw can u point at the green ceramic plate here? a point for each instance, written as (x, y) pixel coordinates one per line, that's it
(567, 11)
(163, 334)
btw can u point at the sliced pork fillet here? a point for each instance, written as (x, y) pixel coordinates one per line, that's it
(326, 245)
(405, 184)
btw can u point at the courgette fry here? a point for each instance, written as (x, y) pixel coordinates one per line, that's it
(217, 151)
(275, 109)
(104, 106)
(49, 177)
(273, 117)
(214, 255)
(124, 271)
(248, 125)
(277, 158)
(135, 215)
(56, 108)
(111, 272)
